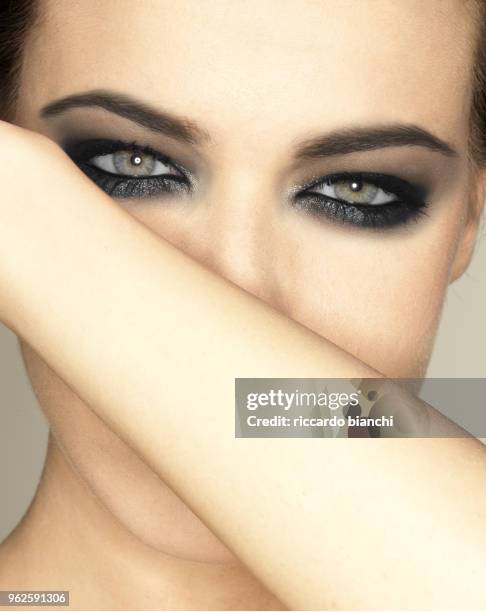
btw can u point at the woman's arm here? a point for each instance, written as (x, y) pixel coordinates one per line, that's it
(152, 341)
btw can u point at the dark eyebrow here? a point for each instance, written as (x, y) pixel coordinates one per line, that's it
(339, 142)
(134, 110)
(353, 140)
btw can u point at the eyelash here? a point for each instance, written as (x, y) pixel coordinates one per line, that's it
(126, 186)
(410, 204)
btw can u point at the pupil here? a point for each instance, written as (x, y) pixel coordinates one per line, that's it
(136, 159)
(356, 185)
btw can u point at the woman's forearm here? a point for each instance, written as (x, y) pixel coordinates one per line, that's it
(152, 341)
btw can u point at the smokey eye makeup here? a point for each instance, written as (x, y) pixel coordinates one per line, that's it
(127, 170)
(366, 199)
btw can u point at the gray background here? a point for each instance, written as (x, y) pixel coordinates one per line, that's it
(460, 352)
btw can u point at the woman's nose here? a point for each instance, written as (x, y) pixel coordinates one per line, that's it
(241, 223)
(235, 226)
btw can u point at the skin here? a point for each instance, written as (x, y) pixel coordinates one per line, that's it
(235, 225)
(248, 493)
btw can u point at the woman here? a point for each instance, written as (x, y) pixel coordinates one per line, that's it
(279, 189)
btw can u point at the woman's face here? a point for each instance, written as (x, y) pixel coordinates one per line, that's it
(249, 115)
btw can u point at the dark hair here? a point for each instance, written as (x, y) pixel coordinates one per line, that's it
(478, 107)
(17, 17)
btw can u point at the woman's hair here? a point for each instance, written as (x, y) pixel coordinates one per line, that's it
(478, 108)
(18, 17)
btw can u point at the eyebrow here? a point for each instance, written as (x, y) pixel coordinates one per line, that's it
(354, 140)
(338, 142)
(141, 113)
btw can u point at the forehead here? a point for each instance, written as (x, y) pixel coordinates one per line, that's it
(298, 63)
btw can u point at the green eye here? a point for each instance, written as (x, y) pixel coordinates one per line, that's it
(367, 199)
(355, 191)
(132, 163)
(128, 170)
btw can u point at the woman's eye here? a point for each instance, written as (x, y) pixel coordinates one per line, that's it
(129, 171)
(355, 191)
(133, 163)
(364, 198)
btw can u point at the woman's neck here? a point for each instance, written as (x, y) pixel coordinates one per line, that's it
(69, 541)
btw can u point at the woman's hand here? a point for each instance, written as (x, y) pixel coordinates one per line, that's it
(153, 341)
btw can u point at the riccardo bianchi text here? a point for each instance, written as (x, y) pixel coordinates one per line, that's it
(359, 407)
(307, 408)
